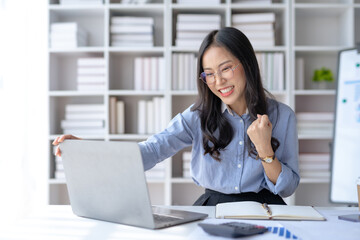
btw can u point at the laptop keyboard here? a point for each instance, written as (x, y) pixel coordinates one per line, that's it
(164, 218)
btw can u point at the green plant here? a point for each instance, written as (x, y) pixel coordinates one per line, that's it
(323, 74)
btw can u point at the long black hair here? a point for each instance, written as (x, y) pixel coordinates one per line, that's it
(217, 131)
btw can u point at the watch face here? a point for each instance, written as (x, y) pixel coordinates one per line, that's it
(268, 160)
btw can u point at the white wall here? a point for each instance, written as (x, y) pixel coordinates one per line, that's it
(23, 106)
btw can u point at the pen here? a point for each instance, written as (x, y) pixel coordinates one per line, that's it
(266, 207)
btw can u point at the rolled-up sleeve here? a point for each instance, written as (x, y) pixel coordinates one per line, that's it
(287, 154)
(175, 137)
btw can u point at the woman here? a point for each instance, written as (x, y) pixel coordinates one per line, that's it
(244, 144)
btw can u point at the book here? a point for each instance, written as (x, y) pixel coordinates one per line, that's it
(120, 117)
(142, 117)
(314, 157)
(113, 114)
(253, 17)
(254, 26)
(299, 73)
(91, 62)
(199, 18)
(315, 116)
(255, 210)
(131, 29)
(126, 20)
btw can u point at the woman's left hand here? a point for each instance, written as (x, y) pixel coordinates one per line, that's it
(260, 134)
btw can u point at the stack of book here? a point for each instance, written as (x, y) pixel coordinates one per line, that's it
(81, 2)
(315, 123)
(151, 115)
(67, 35)
(184, 71)
(192, 28)
(59, 167)
(192, 2)
(258, 27)
(186, 160)
(132, 31)
(117, 116)
(157, 172)
(84, 119)
(149, 73)
(314, 165)
(91, 74)
(272, 70)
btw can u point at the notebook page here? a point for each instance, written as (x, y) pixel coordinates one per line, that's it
(240, 209)
(295, 212)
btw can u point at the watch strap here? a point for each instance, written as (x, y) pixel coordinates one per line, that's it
(267, 157)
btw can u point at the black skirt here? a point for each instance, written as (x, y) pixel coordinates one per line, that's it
(211, 198)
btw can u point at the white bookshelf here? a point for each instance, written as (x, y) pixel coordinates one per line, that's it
(312, 30)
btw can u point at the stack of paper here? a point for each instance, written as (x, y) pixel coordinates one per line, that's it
(151, 115)
(192, 28)
(258, 27)
(84, 119)
(272, 70)
(67, 35)
(149, 73)
(91, 74)
(127, 31)
(314, 165)
(315, 123)
(184, 71)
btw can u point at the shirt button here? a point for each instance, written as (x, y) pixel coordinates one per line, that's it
(241, 142)
(239, 165)
(241, 121)
(236, 188)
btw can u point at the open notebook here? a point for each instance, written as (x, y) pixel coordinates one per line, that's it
(255, 210)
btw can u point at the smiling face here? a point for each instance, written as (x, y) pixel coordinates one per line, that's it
(230, 90)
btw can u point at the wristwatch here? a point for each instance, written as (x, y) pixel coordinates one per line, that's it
(267, 159)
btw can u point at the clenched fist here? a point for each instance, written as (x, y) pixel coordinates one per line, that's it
(260, 134)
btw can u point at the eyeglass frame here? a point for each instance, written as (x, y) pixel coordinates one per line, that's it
(218, 73)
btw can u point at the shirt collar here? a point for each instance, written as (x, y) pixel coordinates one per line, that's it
(226, 107)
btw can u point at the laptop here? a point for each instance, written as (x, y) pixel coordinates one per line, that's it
(106, 181)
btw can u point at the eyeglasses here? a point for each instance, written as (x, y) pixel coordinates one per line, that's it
(225, 73)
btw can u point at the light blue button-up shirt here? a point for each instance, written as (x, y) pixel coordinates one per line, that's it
(237, 172)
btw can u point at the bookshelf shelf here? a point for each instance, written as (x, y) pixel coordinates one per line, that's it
(155, 7)
(94, 137)
(78, 50)
(135, 93)
(134, 50)
(312, 30)
(75, 93)
(57, 7)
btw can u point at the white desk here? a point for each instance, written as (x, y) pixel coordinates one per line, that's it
(59, 223)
